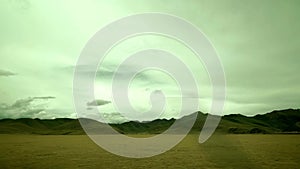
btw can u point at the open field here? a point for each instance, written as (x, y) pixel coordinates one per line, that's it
(221, 151)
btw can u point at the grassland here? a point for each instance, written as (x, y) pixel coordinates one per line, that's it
(220, 151)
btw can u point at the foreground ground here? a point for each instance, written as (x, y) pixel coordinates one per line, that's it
(221, 151)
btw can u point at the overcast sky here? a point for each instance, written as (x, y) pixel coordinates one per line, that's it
(257, 42)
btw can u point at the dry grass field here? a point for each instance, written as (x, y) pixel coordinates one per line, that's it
(220, 151)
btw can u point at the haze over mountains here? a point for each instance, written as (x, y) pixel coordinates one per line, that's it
(280, 121)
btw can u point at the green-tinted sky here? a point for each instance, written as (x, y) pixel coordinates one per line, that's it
(257, 41)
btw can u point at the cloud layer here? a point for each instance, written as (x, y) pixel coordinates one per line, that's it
(258, 45)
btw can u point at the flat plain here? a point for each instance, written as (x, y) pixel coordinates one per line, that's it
(220, 151)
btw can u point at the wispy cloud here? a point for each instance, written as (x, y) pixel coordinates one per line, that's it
(45, 97)
(6, 73)
(20, 4)
(98, 102)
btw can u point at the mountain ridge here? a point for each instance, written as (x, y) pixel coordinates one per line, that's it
(277, 121)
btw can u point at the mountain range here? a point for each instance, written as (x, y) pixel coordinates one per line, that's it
(279, 121)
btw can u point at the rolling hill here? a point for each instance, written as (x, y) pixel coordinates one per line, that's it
(280, 121)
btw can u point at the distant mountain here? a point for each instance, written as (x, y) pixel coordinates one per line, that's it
(37, 126)
(280, 121)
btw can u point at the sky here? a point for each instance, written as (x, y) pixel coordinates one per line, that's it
(257, 43)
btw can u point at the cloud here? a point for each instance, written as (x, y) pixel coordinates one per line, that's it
(6, 73)
(105, 117)
(24, 103)
(20, 5)
(24, 108)
(114, 117)
(45, 97)
(98, 102)
(108, 71)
